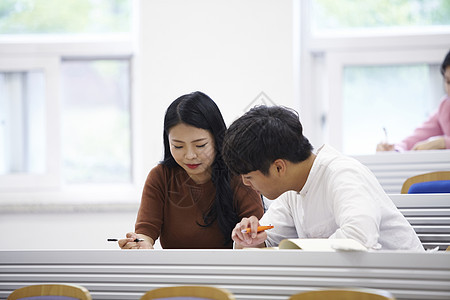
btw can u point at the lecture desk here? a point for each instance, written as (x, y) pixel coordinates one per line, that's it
(249, 274)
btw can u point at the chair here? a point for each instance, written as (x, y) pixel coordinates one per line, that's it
(434, 182)
(344, 294)
(40, 291)
(189, 292)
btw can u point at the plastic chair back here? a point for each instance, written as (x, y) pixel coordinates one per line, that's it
(51, 292)
(188, 292)
(432, 183)
(344, 294)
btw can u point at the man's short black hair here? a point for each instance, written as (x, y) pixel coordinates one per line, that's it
(261, 136)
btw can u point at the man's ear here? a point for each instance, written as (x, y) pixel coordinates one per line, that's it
(280, 166)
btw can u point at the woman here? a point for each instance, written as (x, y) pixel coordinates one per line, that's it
(435, 132)
(189, 199)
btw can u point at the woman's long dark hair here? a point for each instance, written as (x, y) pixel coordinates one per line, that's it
(198, 110)
(445, 63)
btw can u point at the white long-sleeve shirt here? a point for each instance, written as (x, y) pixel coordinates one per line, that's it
(340, 199)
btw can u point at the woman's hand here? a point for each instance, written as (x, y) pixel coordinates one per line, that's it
(385, 147)
(251, 239)
(129, 242)
(433, 143)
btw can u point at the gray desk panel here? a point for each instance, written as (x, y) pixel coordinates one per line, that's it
(249, 274)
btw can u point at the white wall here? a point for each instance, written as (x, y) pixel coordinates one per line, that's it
(231, 50)
(64, 230)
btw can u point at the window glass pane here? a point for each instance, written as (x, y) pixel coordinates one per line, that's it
(398, 98)
(349, 14)
(96, 121)
(65, 16)
(22, 122)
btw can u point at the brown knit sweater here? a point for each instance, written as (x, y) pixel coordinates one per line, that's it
(172, 204)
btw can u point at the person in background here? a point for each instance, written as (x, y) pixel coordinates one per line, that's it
(435, 132)
(318, 195)
(189, 199)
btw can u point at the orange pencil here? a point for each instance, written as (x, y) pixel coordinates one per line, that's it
(260, 228)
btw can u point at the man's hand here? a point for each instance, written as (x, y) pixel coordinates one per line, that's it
(251, 239)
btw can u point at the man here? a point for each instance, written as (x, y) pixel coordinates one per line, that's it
(322, 195)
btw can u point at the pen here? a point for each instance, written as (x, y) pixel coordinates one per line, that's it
(136, 240)
(260, 228)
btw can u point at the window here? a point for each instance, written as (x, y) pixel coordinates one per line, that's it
(347, 15)
(22, 122)
(96, 129)
(66, 116)
(371, 65)
(29, 91)
(65, 16)
(393, 98)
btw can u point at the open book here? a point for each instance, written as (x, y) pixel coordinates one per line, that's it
(322, 244)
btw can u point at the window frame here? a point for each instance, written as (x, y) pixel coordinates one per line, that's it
(338, 61)
(47, 52)
(49, 66)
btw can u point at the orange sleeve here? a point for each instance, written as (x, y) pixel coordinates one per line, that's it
(246, 200)
(151, 211)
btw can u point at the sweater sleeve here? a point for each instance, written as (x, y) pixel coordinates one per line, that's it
(246, 200)
(428, 129)
(151, 211)
(437, 125)
(444, 120)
